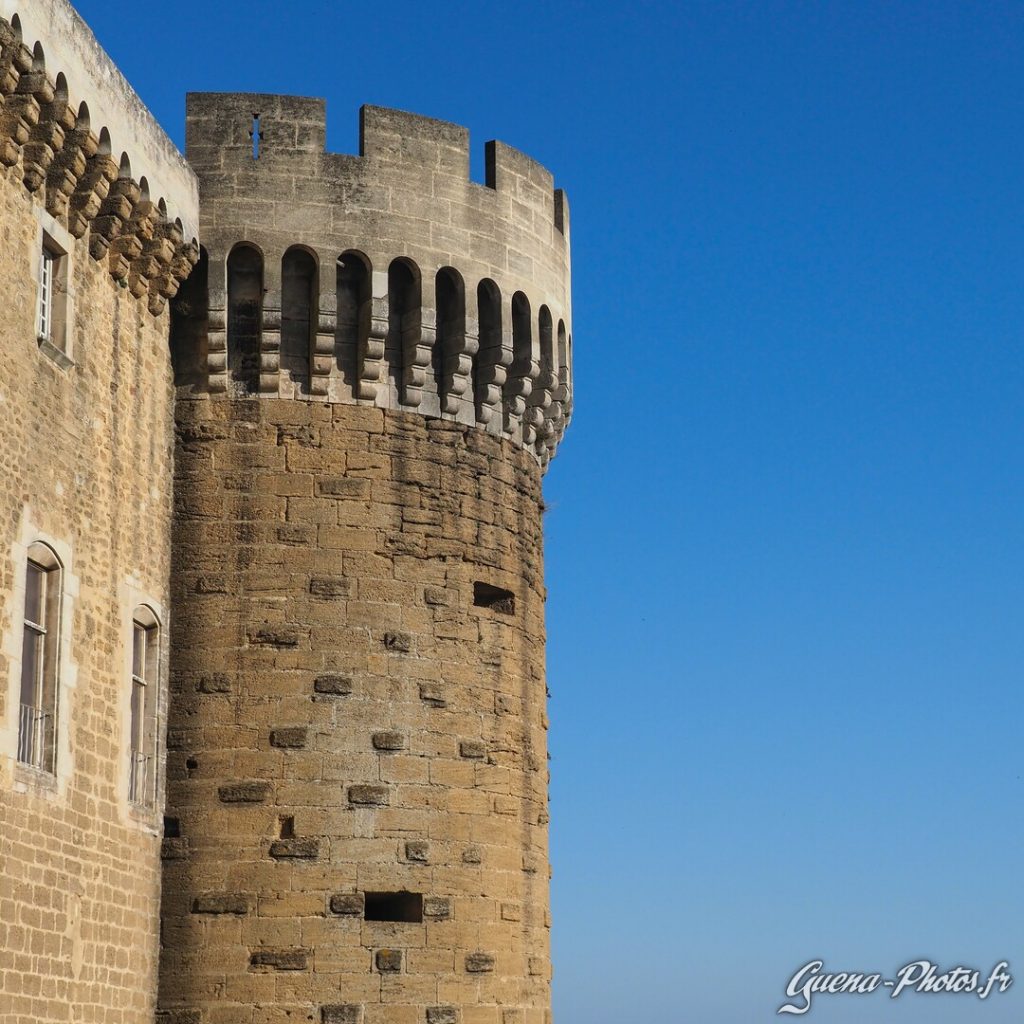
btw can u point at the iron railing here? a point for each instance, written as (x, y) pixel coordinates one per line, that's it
(139, 790)
(35, 738)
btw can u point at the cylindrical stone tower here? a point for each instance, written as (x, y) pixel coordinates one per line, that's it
(373, 361)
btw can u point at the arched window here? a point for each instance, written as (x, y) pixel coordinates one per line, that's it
(353, 294)
(245, 316)
(451, 329)
(488, 300)
(403, 315)
(145, 691)
(300, 306)
(189, 323)
(40, 658)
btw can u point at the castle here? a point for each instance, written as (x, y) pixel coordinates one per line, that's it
(272, 685)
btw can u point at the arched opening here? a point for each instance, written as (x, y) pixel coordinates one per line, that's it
(189, 324)
(488, 300)
(353, 323)
(38, 58)
(403, 315)
(245, 316)
(82, 121)
(564, 367)
(125, 167)
(300, 303)
(545, 330)
(450, 294)
(104, 147)
(60, 91)
(517, 382)
(541, 397)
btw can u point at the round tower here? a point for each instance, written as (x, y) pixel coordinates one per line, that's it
(373, 361)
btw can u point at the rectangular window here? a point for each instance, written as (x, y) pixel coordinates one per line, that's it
(496, 598)
(54, 308)
(394, 906)
(47, 269)
(37, 715)
(142, 721)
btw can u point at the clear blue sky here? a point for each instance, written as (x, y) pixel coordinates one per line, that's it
(785, 541)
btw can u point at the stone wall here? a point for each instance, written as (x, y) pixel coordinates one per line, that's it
(86, 410)
(85, 465)
(358, 707)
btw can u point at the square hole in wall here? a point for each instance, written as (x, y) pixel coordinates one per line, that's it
(172, 828)
(495, 598)
(394, 906)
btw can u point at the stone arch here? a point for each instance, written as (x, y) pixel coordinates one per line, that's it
(450, 299)
(518, 383)
(300, 305)
(354, 292)
(190, 324)
(488, 358)
(245, 316)
(403, 311)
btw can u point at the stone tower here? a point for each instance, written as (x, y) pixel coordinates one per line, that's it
(373, 369)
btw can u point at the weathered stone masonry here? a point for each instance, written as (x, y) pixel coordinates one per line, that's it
(86, 443)
(358, 726)
(313, 449)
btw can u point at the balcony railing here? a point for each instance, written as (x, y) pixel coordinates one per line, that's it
(35, 738)
(140, 792)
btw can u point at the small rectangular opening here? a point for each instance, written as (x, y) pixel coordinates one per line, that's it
(394, 906)
(172, 828)
(495, 598)
(286, 827)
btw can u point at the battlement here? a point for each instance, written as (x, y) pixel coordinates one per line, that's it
(93, 152)
(385, 278)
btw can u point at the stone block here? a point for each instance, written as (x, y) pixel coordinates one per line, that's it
(442, 1015)
(345, 1013)
(369, 795)
(433, 694)
(304, 848)
(417, 851)
(333, 685)
(330, 587)
(388, 741)
(254, 792)
(279, 959)
(479, 963)
(437, 908)
(221, 903)
(388, 961)
(398, 643)
(347, 904)
(292, 737)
